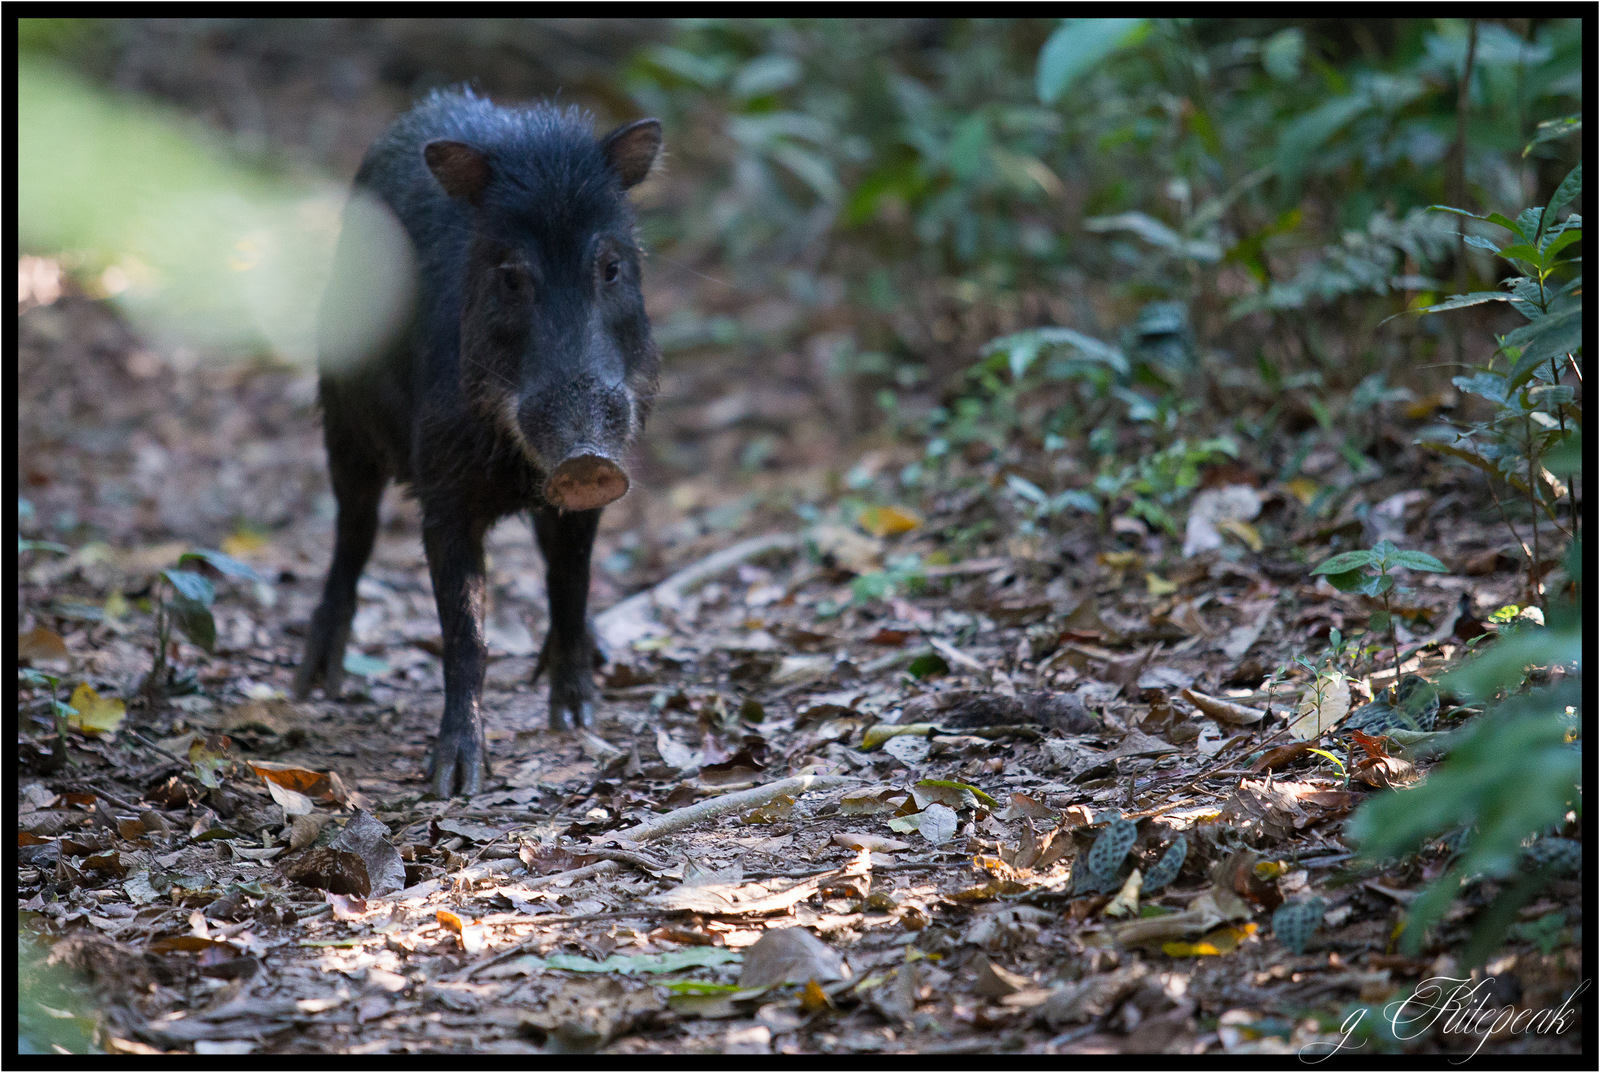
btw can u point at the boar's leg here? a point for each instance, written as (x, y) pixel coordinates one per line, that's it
(454, 545)
(358, 487)
(566, 538)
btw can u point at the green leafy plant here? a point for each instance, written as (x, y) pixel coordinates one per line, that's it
(182, 601)
(1533, 436)
(1512, 777)
(1371, 573)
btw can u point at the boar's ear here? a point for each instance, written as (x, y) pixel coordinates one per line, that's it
(631, 149)
(462, 170)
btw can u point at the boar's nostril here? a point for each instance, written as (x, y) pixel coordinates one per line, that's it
(584, 482)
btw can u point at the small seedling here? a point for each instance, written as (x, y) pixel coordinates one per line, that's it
(1371, 573)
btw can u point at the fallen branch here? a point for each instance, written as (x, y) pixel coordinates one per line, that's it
(624, 623)
(689, 815)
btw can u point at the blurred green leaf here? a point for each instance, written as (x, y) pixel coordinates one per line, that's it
(1077, 46)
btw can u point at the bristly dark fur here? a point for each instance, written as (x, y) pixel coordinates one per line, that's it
(526, 344)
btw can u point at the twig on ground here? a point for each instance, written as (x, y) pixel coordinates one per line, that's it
(689, 815)
(621, 624)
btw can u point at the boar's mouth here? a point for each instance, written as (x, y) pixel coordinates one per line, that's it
(585, 481)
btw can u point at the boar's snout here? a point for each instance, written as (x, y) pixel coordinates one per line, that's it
(585, 481)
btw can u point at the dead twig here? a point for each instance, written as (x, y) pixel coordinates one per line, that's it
(623, 623)
(689, 815)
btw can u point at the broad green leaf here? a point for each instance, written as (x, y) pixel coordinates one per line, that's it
(223, 564)
(1523, 251)
(1554, 242)
(364, 665)
(1552, 129)
(1553, 336)
(1347, 581)
(194, 619)
(1345, 562)
(1306, 135)
(1528, 222)
(1567, 455)
(1282, 53)
(191, 586)
(1459, 301)
(1569, 188)
(1503, 664)
(1507, 223)
(1026, 489)
(1419, 560)
(1491, 386)
(1371, 584)
(1077, 46)
(1456, 211)
(1030, 342)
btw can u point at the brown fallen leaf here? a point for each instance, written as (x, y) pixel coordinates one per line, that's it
(995, 982)
(41, 643)
(790, 956)
(326, 868)
(470, 934)
(1281, 757)
(1385, 772)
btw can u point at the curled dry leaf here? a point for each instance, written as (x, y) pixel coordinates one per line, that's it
(1385, 772)
(1126, 903)
(870, 842)
(1224, 711)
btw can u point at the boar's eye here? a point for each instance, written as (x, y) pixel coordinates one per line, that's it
(510, 278)
(613, 270)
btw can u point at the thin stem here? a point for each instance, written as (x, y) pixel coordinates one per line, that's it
(1458, 175)
(1394, 643)
(158, 667)
(1533, 504)
(1561, 421)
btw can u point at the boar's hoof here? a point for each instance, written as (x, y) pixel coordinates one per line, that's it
(585, 482)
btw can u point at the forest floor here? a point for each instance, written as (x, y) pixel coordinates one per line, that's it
(907, 797)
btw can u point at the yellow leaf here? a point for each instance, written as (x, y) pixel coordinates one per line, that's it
(1304, 489)
(1423, 408)
(1158, 585)
(1119, 560)
(879, 733)
(243, 543)
(116, 605)
(888, 521)
(1243, 530)
(1226, 939)
(814, 999)
(1266, 870)
(95, 714)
